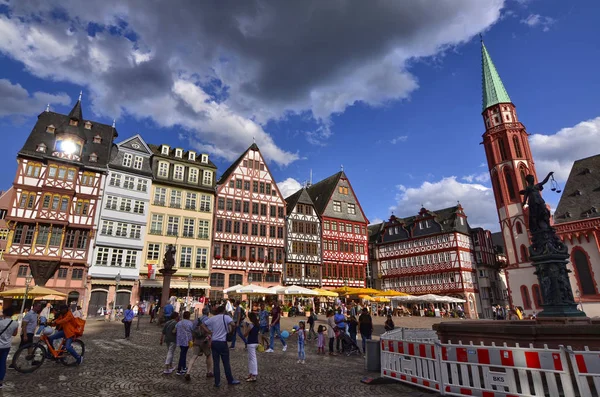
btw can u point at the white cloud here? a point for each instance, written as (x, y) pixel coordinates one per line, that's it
(251, 62)
(482, 177)
(557, 152)
(535, 20)
(289, 187)
(375, 221)
(16, 101)
(476, 199)
(401, 138)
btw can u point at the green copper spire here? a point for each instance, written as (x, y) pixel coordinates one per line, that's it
(493, 89)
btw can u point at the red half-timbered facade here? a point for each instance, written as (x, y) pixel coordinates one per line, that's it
(249, 223)
(56, 190)
(344, 232)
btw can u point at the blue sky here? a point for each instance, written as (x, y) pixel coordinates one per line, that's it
(392, 92)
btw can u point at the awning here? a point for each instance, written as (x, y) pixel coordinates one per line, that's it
(174, 284)
(112, 282)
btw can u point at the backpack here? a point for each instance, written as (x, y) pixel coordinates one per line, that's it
(79, 325)
(197, 332)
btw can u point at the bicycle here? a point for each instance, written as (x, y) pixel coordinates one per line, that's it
(30, 357)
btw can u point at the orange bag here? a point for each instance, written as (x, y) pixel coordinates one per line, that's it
(79, 326)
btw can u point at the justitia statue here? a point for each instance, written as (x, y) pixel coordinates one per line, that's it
(169, 259)
(539, 215)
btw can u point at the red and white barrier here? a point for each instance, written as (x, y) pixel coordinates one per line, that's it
(586, 369)
(490, 371)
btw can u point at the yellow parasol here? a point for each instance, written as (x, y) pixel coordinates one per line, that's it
(381, 299)
(390, 293)
(348, 291)
(366, 291)
(33, 292)
(365, 297)
(50, 298)
(324, 292)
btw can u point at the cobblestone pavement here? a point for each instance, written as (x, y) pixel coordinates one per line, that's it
(114, 366)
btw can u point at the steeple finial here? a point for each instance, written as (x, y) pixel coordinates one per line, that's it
(493, 89)
(47, 108)
(310, 180)
(114, 123)
(253, 140)
(480, 37)
(342, 167)
(80, 95)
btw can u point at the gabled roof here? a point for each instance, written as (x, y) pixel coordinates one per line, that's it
(581, 196)
(301, 196)
(157, 153)
(374, 231)
(321, 191)
(234, 165)
(493, 89)
(136, 139)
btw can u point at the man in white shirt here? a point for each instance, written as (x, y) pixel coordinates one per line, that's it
(217, 327)
(8, 329)
(29, 324)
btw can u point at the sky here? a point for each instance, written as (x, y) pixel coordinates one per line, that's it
(390, 91)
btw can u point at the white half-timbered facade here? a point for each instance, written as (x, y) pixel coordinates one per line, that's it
(56, 193)
(303, 241)
(249, 225)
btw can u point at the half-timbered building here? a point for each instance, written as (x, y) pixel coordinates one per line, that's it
(344, 231)
(5, 202)
(302, 241)
(430, 253)
(122, 222)
(180, 214)
(249, 225)
(56, 190)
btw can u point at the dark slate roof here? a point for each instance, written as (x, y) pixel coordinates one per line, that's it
(321, 191)
(498, 241)
(117, 155)
(301, 196)
(39, 135)
(234, 165)
(581, 196)
(375, 231)
(184, 158)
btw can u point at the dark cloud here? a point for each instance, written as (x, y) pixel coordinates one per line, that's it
(16, 101)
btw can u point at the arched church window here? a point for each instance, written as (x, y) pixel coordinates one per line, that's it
(519, 228)
(524, 257)
(502, 149)
(523, 174)
(517, 146)
(584, 274)
(509, 183)
(537, 296)
(526, 297)
(497, 189)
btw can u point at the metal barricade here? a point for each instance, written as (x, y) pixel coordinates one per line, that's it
(586, 370)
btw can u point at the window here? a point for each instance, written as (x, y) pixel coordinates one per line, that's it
(526, 298)
(343, 189)
(217, 280)
(127, 160)
(190, 200)
(255, 186)
(172, 226)
(247, 186)
(221, 203)
(179, 153)
(517, 146)
(125, 205)
(137, 163)
(238, 183)
(201, 258)
(337, 206)
(219, 225)
(263, 230)
(115, 180)
(153, 252)
(502, 149)
(175, 199)
(117, 258)
(326, 225)
(129, 182)
(254, 208)
(235, 279)
(77, 274)
(178, 173)
(228, 226)
(203, 229)
(246, 206)
(238, 206)
(102, 256)
(236, 227)
(42, 237)
(583, 272)
(207, 178)
(3, 234)
(142, 185)
(41, 148)
(524, 257)
(163, 169)
(351, 209)
(62, 273)
(254, 229)
(55, 236)
(139, 207)
(519, 228)
(279, 232)
(46, 201)
(191, 156)
(82, 239)
(160, 196)
(509, 183)
(164, 150)
(273, 211)
(33, 169)
(193, 175)
(245, 228)
(185, 258)
(130, 258)
(263, 210)
(204, 203)
(97, 139)
(537, 296)
(64, 204)
(334, 226)
(88, 179)
(135, 232)
(121, 229)
(188, 227)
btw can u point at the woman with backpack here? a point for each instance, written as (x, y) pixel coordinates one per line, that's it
(201, 346)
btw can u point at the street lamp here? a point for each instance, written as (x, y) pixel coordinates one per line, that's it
(27, 283)
(189, 279)
(578, 293)
(117, 281)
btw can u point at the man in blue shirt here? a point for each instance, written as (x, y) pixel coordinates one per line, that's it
(167, 311)
(340, 321)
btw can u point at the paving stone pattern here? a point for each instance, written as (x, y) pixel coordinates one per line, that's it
(114, 366)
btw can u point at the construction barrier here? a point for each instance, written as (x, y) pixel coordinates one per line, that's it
(490, 371)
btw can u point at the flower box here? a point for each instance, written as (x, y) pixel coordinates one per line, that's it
(234, 258)
(242, 258)
(217, 256)
(252, 259)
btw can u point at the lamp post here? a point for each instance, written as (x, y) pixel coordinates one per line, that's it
(27, 283)
(578, 293)
(117, 281)
(189, 279)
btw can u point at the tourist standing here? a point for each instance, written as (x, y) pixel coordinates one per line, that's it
(340, 322)
(239, 315)
(183, 330)
(168, 336)
(389, 324)
(311, 326)
(331, 331)
(218, 327)
(352, 327)
(127, 319)
(251, 331)
(263, 320)
(321, 339)
(29, 324)
(201, 347)
(365, 326)
(8, 329)
(229, 307)
(275, 328)
(301, 333)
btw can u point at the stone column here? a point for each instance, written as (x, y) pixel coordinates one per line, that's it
(166, 288)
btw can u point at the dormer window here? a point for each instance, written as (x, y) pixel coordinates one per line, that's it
(178, 153)
(567, 214)
(593, 210)
(205, 159)
(41, 148)
(97, 139)
(73, 122)
(93, 158)
(88, 125)
(578, 192)
(192, 156)
(51, 128)
(164, 150)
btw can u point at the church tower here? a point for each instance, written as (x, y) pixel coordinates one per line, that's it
(509, 161)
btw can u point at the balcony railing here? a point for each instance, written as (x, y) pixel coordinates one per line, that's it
(159, 203)
(172, 233)
(190, 207)
(156, 232)
(188, 234)
(203, 236)
(174, 205)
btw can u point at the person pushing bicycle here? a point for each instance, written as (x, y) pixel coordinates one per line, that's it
(67, 324)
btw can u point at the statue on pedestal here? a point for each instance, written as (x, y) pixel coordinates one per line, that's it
(539, 215)
(169, 259)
